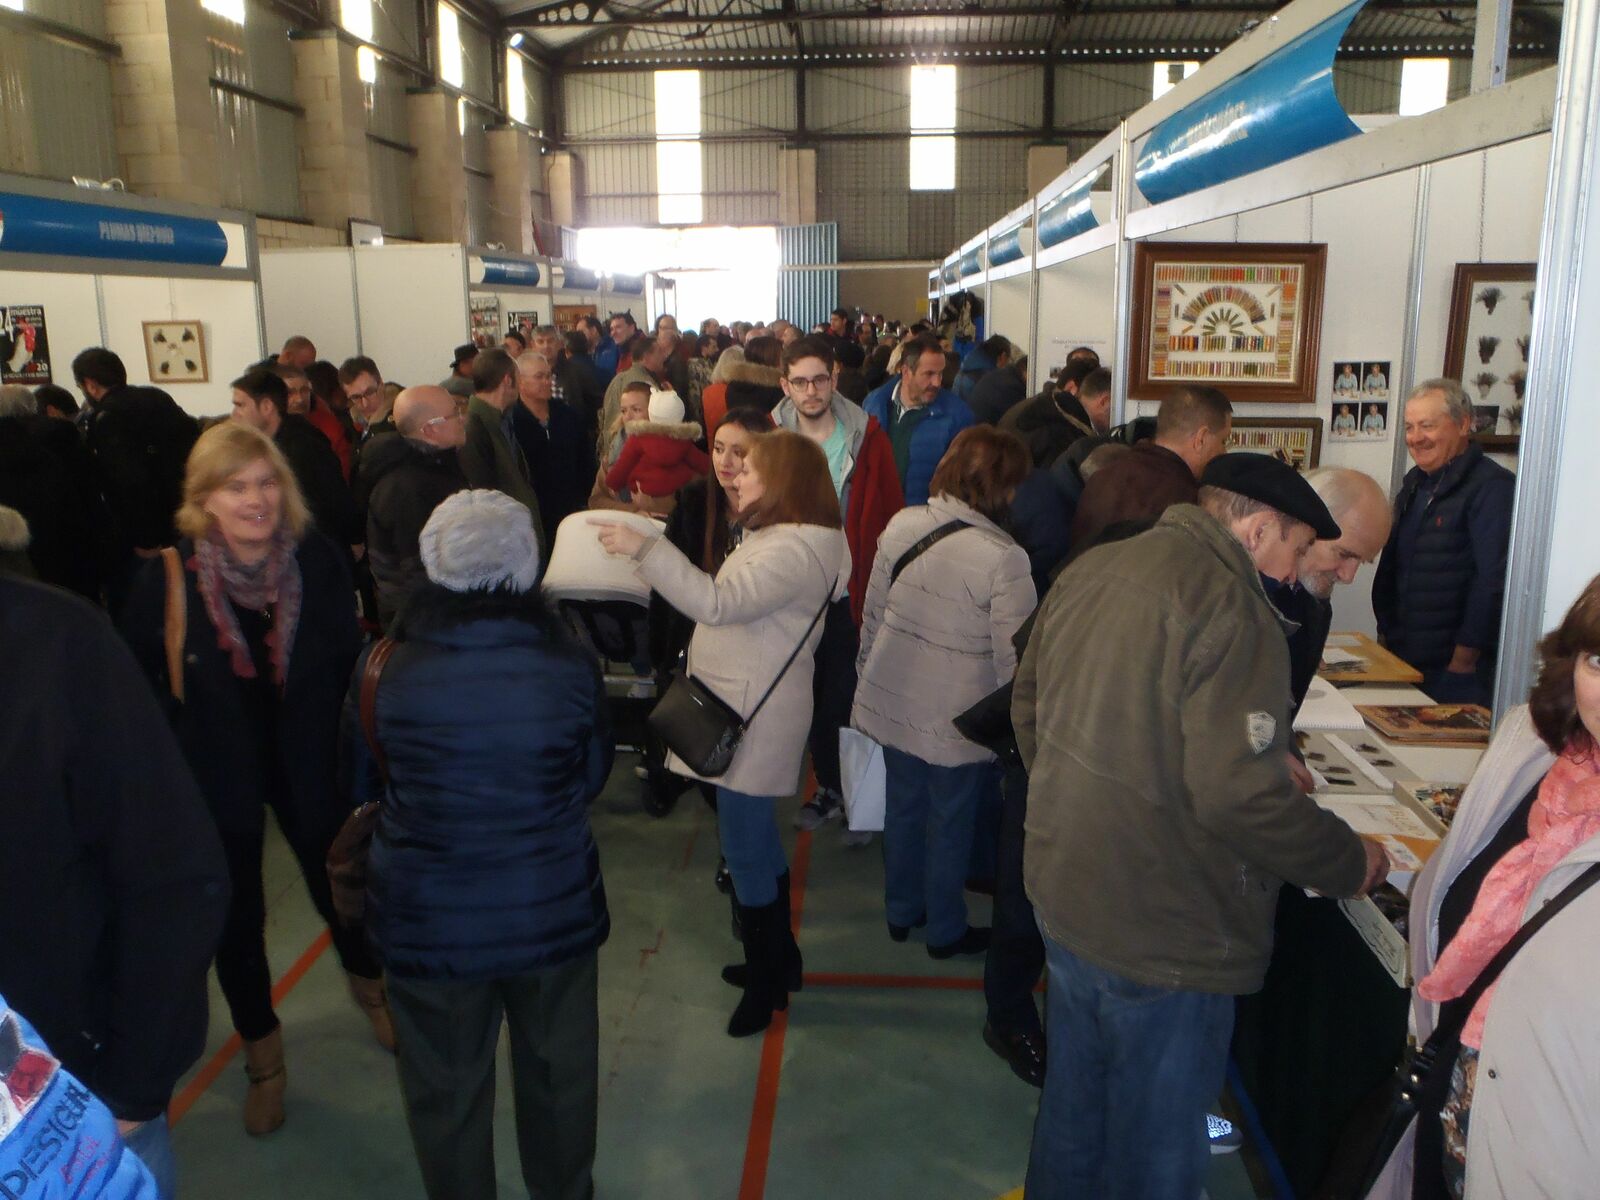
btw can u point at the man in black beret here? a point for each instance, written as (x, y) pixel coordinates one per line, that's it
(1152, 711)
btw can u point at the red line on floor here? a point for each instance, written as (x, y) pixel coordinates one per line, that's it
(758, 1143)
(185, 1100)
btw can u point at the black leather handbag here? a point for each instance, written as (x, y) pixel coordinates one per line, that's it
(703, 729)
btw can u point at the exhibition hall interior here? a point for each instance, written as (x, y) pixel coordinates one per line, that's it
(720, 599)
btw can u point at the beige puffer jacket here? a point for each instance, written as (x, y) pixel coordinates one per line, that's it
(939, 640)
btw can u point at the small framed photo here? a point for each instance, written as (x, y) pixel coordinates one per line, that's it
(1491, 326)
(1295, 440)
(176, 351)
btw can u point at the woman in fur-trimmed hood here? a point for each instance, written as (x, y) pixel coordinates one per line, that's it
(754, 383)
(660, 455)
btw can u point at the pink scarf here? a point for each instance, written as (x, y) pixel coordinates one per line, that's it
(1566, 814)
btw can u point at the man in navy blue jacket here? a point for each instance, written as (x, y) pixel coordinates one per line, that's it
(920, 416)
(1438, 589)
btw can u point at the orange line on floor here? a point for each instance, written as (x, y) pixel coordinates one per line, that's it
(185, 1100)
(758, 1143)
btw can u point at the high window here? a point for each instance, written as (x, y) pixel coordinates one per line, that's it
(451, 68)
(933, 128)
(1424, 85)
(356, 17)
(1169, 75)
(516, 88)
(679, 192)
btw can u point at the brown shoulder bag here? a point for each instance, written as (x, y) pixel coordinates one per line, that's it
(347, 856)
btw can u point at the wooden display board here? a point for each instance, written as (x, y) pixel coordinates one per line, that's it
(1380, 666)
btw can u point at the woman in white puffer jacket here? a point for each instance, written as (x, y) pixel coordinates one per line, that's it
(935, 639)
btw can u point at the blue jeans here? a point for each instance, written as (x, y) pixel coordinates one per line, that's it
(928, 819)
(1132, 1070)
(151, 1143)
(750, 842)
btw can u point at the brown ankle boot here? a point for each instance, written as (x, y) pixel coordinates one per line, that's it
(263, 1101)
(373, 1000)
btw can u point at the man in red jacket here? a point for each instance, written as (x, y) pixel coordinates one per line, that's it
(861, 461)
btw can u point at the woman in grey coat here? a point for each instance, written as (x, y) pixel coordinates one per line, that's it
(935, 639)
(762, 604)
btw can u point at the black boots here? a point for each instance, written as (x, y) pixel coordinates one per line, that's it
(771, 967)
(788, 952)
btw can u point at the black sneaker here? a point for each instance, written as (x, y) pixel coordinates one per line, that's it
(1024, 1053)
(816, 812)
(973, 941)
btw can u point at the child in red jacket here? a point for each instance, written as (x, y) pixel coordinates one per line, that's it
(659, 455)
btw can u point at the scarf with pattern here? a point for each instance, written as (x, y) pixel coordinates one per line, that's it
(275, 580)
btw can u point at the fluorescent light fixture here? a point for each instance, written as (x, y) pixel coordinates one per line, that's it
(516, 40)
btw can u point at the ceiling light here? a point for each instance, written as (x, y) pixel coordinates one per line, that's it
(516, 40)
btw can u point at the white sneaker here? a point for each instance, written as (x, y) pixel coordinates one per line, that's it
(1225, 1137)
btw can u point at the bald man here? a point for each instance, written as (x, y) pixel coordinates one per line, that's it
(299, 351)
(409, 476)
(1362, 511)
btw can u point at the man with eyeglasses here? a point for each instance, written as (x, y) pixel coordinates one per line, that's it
(551, 433)
(861, 462)
(409, 476)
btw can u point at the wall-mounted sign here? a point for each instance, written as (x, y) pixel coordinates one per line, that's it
(1281, 107)
(575, 279)
(70, 228)
(504, 272)
(1010, 246)
(24, 345)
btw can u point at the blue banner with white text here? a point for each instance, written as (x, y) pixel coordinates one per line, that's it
(72, 229)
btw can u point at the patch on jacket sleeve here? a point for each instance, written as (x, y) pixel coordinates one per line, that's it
(1260, 728)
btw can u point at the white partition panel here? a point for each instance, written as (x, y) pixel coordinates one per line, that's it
(1011, 310)
(71, 314)
(311, 292)
(228, 313)
(1076, 308)
(413, 308)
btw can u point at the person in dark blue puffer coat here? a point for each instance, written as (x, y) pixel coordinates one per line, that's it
(1441, 581)
(485, 894)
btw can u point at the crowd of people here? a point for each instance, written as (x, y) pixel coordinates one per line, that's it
(1080, 648)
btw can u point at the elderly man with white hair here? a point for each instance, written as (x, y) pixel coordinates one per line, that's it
(551, 433)
(1361, 509)
(1439, 586)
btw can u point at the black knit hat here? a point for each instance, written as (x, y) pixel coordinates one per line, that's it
(1274, 483)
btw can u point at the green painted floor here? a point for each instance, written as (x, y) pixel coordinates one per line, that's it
(882, 1092)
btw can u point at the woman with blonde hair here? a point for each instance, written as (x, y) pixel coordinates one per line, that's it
(247, 630)
(757, 624)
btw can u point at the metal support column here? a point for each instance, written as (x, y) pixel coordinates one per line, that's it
(1555, 474)
(1123, 284)
(1405, 378)
(1491, 42)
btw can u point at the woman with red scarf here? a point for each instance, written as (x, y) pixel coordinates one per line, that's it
(1520, 1117)
(268, 639)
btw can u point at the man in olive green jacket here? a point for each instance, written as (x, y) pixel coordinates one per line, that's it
(491, 457)
(1152, 711)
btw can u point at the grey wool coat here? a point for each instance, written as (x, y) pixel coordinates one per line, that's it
(747, 620)
(939, 640)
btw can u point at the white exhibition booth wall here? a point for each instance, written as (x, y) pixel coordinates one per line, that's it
(91, 301)
(1482, 206)
(404, 306)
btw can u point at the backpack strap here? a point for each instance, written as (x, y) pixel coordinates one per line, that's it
(370, 675)
(175, 627)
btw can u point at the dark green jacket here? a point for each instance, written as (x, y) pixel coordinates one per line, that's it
(490, 459)
(1152, 710)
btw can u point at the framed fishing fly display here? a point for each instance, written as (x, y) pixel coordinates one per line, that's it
(1244, 317)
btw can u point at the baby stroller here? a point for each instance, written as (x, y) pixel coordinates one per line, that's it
(607, 607)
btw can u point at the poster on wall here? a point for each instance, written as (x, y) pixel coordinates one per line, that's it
(1244, 317)
(568, 314)
(1360, 406)
(24, 346)
(485, 318)
(526, 320)
(175, 351)
(1491, 325)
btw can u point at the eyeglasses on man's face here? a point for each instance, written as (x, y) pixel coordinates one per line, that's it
(364, 395)
(814, 383)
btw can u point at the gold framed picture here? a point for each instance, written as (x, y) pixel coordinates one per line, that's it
(175, 351)
(1296, 440)
(1244, 317)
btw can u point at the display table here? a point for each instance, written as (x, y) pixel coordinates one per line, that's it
(1326, 1031)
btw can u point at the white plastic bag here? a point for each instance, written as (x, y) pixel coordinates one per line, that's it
(861, 772)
